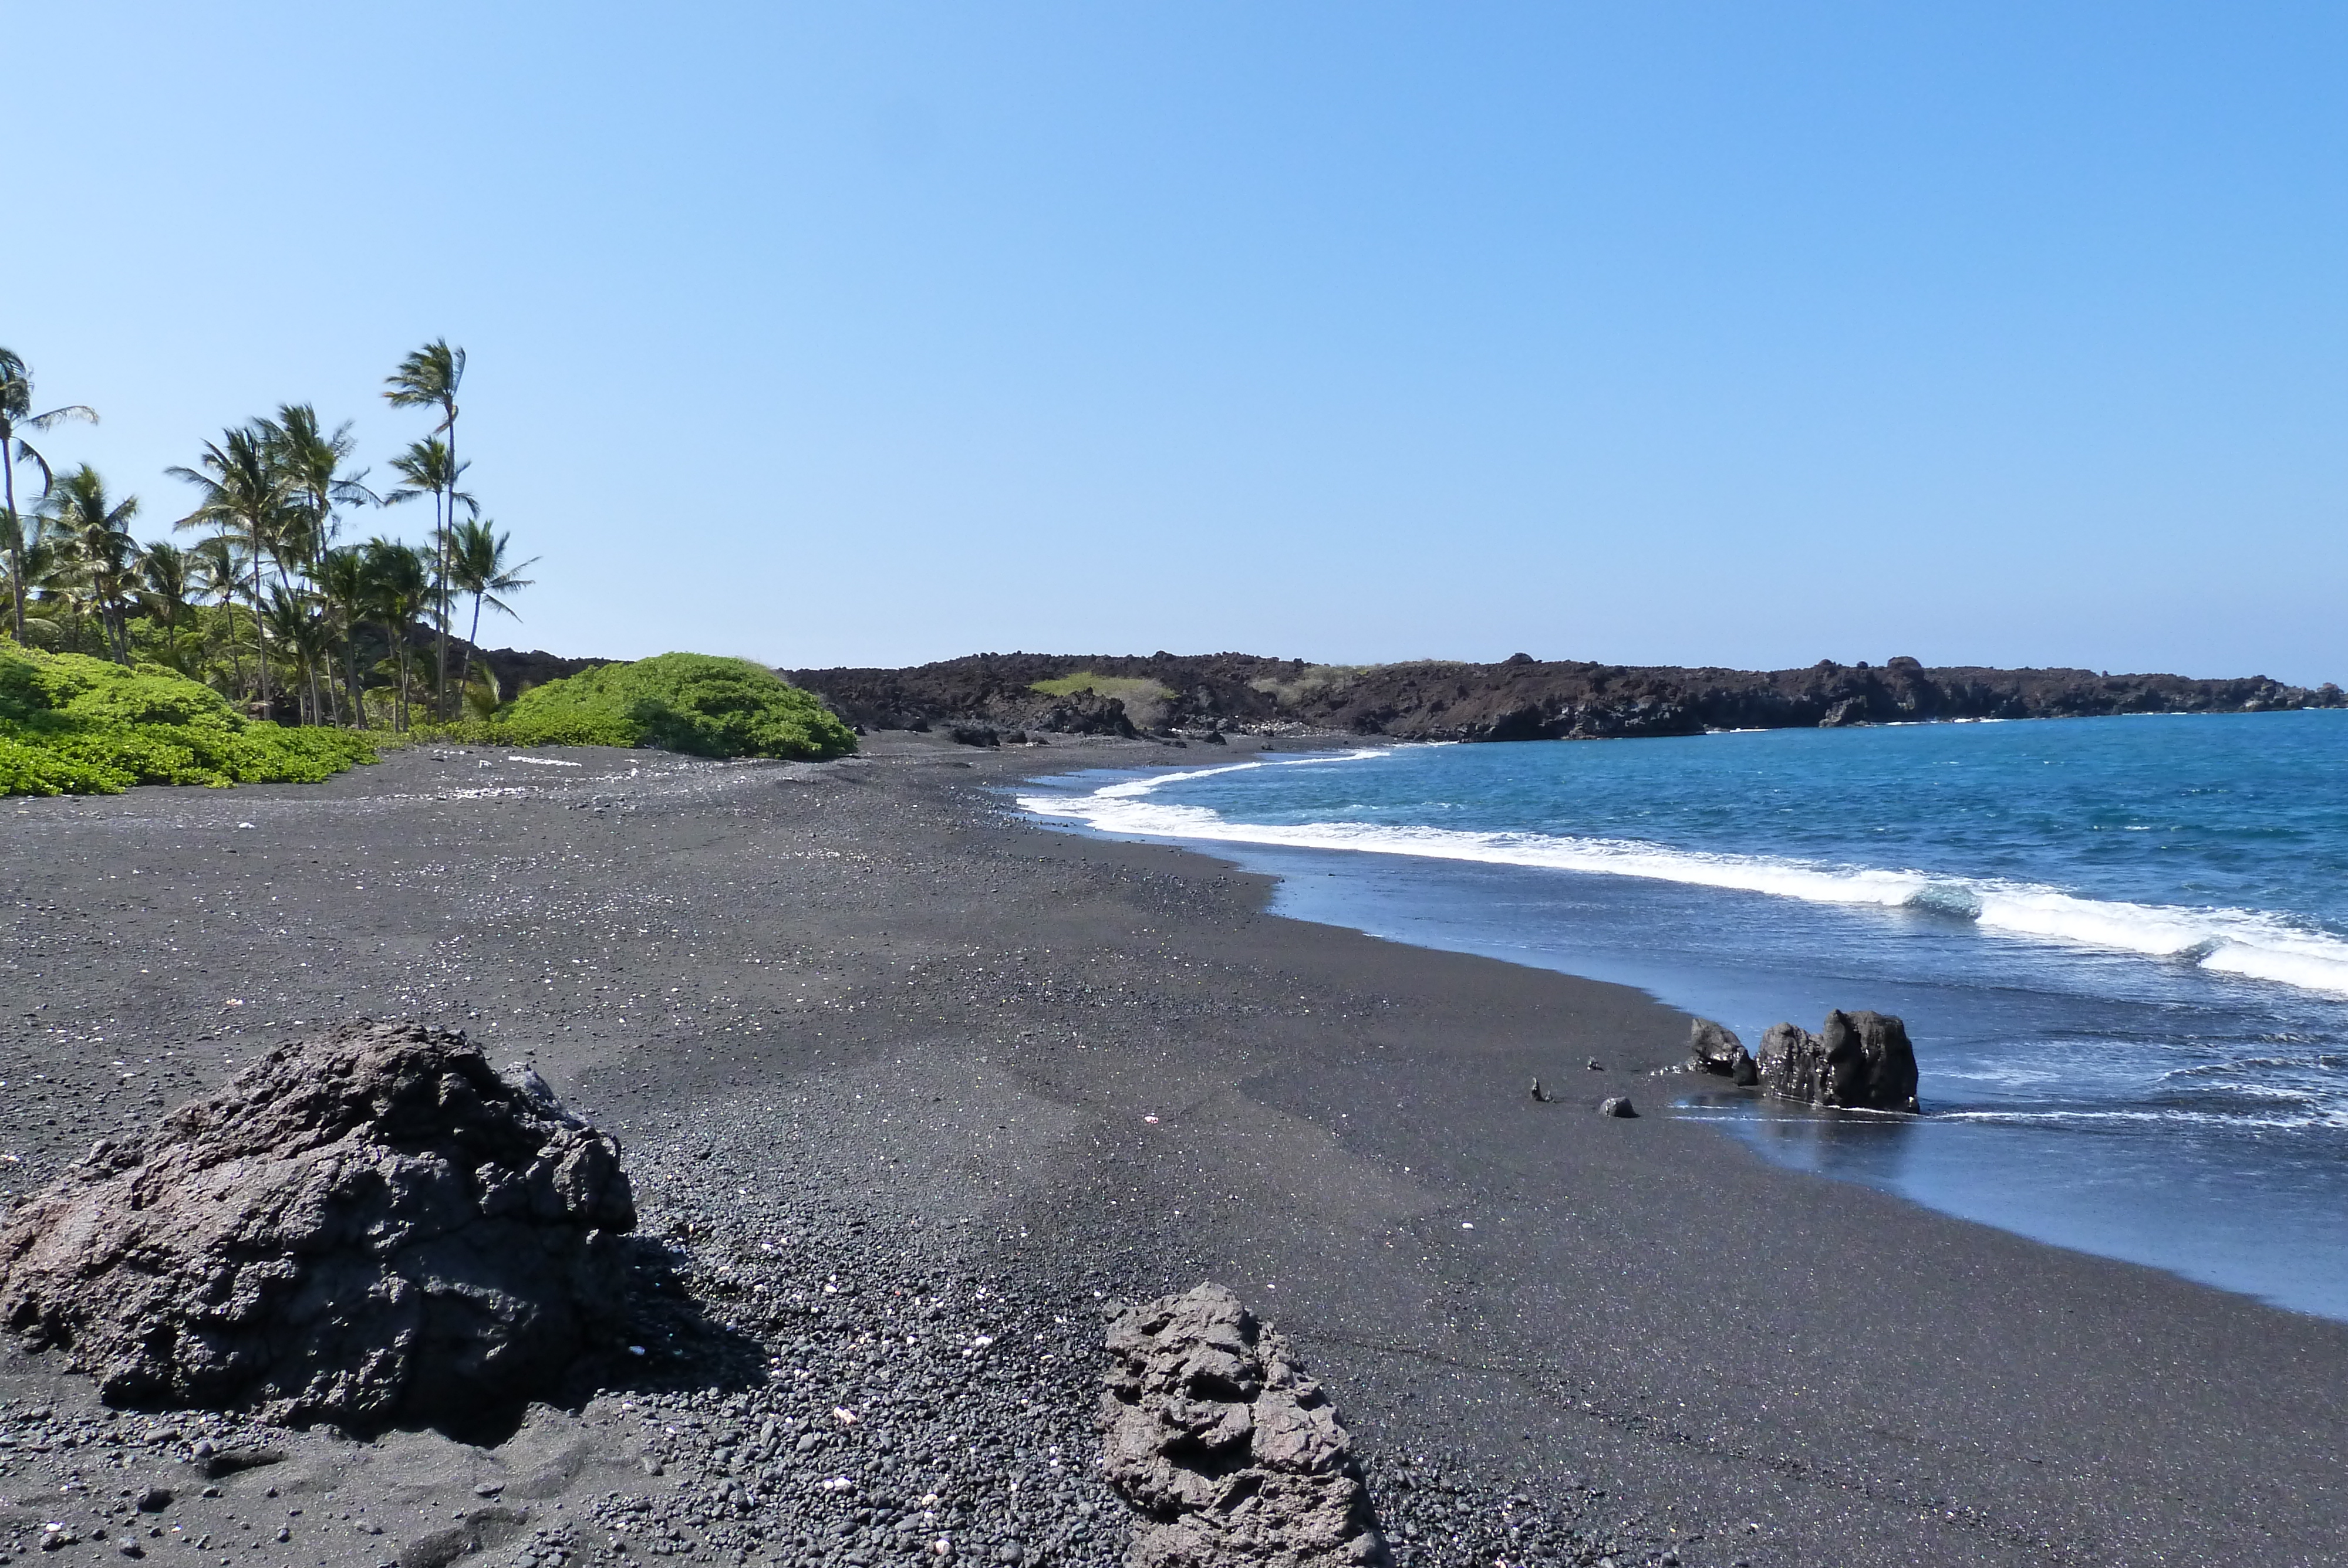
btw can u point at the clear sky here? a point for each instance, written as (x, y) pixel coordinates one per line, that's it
(877, 333)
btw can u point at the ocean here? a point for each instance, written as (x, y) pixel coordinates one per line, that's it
(2120, 945)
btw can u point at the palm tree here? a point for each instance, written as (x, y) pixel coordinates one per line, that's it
(429, 467)
(310, 461)
(167, 578)
(244, 496)
(399, 590)
(16, 417)
(478, 566)
(98, 532)
(217, 574)
(342, 579)
(13, 545)
(295, 619)
(479, 695)
(428, 379)
(47, 571)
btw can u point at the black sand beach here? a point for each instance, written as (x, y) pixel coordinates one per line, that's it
(858, 1028)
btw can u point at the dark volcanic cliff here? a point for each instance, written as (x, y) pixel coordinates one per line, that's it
(1519, 699)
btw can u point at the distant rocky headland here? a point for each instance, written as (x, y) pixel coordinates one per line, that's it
(1519, 699)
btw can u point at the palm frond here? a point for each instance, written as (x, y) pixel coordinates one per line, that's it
(57, 417)
(429, 376)
(25, 454)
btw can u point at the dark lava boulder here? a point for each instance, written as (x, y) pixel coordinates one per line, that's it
(1232, 1455)
(1860, 1061)
(371, 1229)
(1714, 1048)
(1087, 713)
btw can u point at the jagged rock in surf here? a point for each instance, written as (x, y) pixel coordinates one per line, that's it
(374, 1227)
(1860, 1061)
(1232, 1454)
(1714, 1048)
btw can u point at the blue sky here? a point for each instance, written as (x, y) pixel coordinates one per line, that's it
(1746, 335)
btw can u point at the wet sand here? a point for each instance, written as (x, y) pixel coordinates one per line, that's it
(973, 1021)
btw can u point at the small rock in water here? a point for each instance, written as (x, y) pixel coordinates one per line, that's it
(1617, 1105)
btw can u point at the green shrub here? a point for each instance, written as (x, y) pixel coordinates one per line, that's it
(689, 702)
(71, 724)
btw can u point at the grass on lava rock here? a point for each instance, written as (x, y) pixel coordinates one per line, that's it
(1128, 690)
(72, 725)
(690, 703)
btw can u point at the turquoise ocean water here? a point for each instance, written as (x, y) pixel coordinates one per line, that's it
(2121, 945)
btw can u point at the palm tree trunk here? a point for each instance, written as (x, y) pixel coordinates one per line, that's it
(332, 687)
(448, 526)
(16, 530)
(260, 632)
(235, 654)
(351, 665)
(315, 569)
(307, 706)
(400, 697)
(473, 639)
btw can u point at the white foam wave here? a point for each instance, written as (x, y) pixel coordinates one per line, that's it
(2316, 1116)
(2248, 943)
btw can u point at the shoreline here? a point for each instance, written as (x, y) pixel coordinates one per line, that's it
(985, 1011)
(1813, 936)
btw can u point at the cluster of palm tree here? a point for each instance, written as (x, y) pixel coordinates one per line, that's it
(269, 604)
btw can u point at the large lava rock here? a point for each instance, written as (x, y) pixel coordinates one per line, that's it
(1860, 1061)
(1212, 1431)
(371, 1229)
(1714, 1048)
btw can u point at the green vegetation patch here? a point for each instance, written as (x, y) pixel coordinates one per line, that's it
(690, 703)
(1130, 690)
(72, 725)
(1314, 681)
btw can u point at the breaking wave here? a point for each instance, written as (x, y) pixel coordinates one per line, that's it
(2248, 943)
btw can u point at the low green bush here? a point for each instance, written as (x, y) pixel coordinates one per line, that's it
(690, 703)
(72, 725)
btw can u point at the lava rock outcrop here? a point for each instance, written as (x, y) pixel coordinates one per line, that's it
(1519, 699)
(1859, 1061)
(1232, 1455)
(1714, 1048)
(371, 1229)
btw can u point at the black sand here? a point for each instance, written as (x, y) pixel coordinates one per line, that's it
(869, 992)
